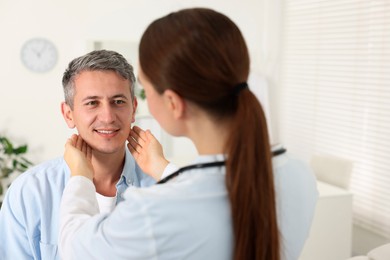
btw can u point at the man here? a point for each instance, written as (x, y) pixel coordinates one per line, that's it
(100, 104)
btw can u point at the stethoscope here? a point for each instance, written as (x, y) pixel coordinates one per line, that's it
(277, 152)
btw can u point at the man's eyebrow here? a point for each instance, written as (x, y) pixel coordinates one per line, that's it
(97, 97)
(119, 96)
(90, 97)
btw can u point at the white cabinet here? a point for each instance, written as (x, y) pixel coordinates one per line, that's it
(331, 232)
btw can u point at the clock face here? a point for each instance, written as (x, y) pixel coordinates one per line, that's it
(39, 55)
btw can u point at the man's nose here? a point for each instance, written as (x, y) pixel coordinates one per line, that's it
(107, 113)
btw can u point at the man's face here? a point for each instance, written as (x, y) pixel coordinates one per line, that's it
(103, 110)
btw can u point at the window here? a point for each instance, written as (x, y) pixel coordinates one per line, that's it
(335, 80)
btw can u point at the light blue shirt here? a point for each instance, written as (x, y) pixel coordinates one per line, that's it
(29, 216)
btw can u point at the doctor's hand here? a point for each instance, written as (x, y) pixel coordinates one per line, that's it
(78, 155)
(147, 152)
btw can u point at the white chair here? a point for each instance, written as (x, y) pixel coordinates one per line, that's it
(379, 253)
(331, 169)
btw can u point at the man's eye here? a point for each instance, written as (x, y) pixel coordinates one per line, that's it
(91, 103)
(119, 101)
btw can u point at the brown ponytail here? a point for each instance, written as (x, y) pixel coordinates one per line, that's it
(249, 180)
(201, 55)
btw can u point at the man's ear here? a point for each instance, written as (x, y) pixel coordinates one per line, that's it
(67, 113)
(135, 105)
(175, 103)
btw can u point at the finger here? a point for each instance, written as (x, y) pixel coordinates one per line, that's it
(89, 152)
(74, 139)
(134, 145)
(142, 137)
(71, 141)
(137, 129)
(135, 134)
(70, 146)
(84, 147)
(133, 151)
(139, 134)
(79, 143)
(149, 135)
(132, 135)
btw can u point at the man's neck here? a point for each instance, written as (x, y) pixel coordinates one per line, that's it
(107, 171)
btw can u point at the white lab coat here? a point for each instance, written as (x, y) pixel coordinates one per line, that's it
(187, 218)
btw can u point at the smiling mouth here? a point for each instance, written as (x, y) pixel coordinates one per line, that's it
(106, 132)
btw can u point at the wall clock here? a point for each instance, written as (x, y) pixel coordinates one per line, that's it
(39, 55)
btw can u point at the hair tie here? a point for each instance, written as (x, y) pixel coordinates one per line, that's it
(240, 86)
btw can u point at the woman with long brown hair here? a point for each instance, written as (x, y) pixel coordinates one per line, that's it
(194, 66)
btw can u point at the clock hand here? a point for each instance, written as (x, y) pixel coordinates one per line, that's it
(40, 51)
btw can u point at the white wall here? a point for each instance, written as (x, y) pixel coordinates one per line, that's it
(30, 102)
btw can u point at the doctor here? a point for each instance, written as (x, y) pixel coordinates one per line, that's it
(194, 65)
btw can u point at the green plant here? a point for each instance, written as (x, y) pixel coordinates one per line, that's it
(11, 160)
(139, 92)
(142, 94)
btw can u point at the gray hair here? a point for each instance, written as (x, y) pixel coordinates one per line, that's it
(96, 60)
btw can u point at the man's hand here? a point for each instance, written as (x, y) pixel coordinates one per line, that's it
(78, 155)
(147, 152)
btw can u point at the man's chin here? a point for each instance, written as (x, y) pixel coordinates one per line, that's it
(108, 150)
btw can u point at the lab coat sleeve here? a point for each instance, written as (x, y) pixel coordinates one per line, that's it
(296, 199)
(78, 205)
(125, 233)
(171, 168)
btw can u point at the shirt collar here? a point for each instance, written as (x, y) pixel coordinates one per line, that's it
(209, 158)
(128, 172)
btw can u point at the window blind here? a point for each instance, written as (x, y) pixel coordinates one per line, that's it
(335, 81)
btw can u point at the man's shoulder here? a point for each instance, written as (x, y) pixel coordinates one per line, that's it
(30, 210)
(51, 172)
